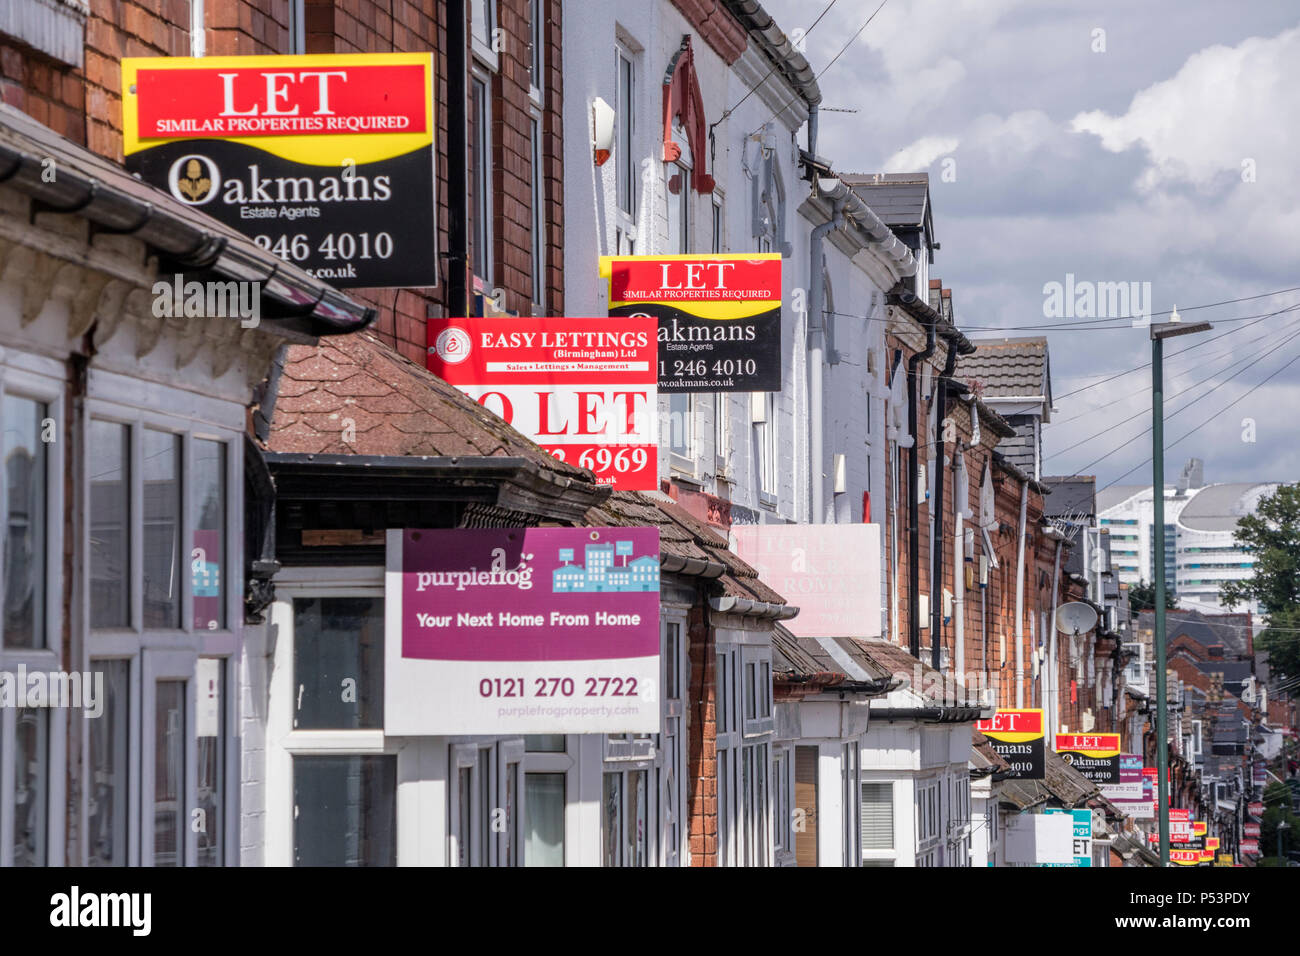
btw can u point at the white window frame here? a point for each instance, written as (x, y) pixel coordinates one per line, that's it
(538, 219)
(719, 230)
(721, 434)
(889, 855)
(482, 31)
(672, 763)
(743, 824)
(284, 743)
(481, 149)
(168, 653)
(626, 169)
(510, 765)
(297, 27)
(537, 51)
(783, 804)
(682, 463)
(41, 380)
(557, 762)
(768, 470)
(851, 804)
(162, 665)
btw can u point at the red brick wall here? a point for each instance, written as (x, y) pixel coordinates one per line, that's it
(702, 750)
(85, 106)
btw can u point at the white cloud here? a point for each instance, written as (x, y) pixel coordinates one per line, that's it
(1225, 105)
(919, 155)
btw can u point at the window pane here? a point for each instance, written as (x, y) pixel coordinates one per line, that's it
(25, 537)
(110, 512)
(345, 811)
(544, 743)
(724, 809)
(537, 23)
(680, 409)
(723, 708)
(169, 773)
(485, 807)
(31, 786)
(623, 156)
(209, 719)
(465, 792)
(481, 179)
(672, 667)
(209, 521)
(160, 465)
(539, 213)
(611, 828)
(511, 798)
(637, 837)
(106, 814)
(338, 663)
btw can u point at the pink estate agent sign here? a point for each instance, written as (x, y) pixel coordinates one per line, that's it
(831, 572)
(522, 630)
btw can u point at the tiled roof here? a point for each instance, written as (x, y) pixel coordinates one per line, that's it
(1060, 782)
(1007, 367)
(1074, 495)
(983, 757)
(899, 199)
(891, 659)
(354, 395)
(1230, 630)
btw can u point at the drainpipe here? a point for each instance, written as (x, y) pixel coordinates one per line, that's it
(959, 574)
(1053, 666)
(816, 358)
(936, 533)
(913, 502)
(1020, 597)
(457, 292)
(812, 131)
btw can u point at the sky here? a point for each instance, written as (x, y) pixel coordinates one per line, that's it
(1112, 141)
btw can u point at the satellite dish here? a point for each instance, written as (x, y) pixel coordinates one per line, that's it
(1075, 618)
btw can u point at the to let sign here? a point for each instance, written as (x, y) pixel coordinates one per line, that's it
(325, 160)
(583, 389)
(719, 317)
(522, 630)
(831, 571)
(1018, 737)
(1096, 756)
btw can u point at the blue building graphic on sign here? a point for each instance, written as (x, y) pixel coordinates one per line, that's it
(603, 573)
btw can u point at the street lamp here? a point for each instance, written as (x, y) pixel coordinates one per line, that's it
(1282, 825)
(1160, 332)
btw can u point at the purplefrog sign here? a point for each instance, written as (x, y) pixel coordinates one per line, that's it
(522, 630)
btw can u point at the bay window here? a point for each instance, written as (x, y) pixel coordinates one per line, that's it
(743, 703)
(163, 491)
(33, 737)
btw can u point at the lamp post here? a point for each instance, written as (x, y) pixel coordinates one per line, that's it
(1282, 825)
(1160, 332)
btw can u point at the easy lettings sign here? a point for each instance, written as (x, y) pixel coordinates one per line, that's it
(1017, 736)
(719, 317)
(1096, 756)
(522, 630)
(327, 161)
(583, 389)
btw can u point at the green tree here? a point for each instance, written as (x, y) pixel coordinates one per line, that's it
(1272, 536)
(1142, 597)
(1277, 807)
